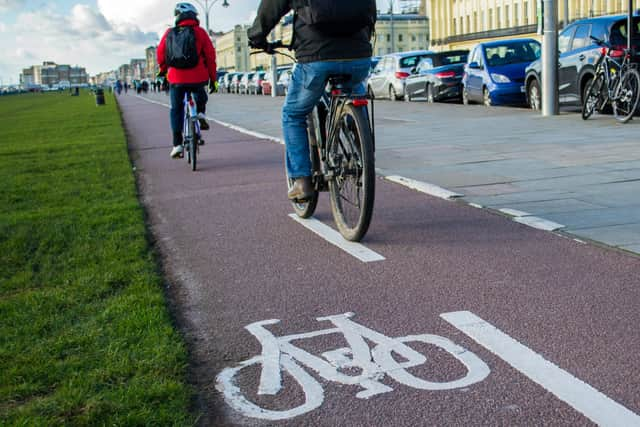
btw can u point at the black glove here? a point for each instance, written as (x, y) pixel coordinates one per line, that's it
(213, 86)
(261, 44)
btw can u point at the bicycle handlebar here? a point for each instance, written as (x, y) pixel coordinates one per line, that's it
(269, 47)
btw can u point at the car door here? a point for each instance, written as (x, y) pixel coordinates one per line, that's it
(474, 75)
(571, 62)
(377, 78)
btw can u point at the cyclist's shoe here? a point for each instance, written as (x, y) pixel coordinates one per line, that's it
(176, 153)
(204, 124)
(301, 190)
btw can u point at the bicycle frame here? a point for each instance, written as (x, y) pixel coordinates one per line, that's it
(605, 64)
(190, 114)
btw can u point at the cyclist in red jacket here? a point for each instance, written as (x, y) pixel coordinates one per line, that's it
(183, 79)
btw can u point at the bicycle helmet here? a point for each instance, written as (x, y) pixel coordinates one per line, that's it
(185, 8)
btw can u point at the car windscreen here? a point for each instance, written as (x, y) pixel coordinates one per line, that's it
(448, 59)
(619, 32)
(410, 61)
(512, 53)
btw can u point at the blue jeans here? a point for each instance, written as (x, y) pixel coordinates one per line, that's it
(176, 113)
(306, 86)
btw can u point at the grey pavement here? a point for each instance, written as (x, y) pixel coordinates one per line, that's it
(581, 174)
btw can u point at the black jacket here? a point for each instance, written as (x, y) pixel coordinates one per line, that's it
(309, 44)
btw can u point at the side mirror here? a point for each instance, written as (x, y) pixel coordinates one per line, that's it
(474, 65)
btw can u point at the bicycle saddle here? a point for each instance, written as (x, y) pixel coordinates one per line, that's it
(336, 80)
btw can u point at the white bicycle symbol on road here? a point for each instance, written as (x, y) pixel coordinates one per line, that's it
(279, 354)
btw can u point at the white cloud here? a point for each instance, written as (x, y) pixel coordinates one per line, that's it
(9, 4)
(82, 37)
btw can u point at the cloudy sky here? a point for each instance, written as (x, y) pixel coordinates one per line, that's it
(96, 34)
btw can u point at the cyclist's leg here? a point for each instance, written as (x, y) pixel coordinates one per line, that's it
(305, 89)
(201, 97)
(176, 95)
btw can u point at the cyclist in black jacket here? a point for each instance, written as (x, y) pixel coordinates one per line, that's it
(319, 55)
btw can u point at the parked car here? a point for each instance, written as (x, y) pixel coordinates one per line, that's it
(282, 85)
(437, 77)
(578, 55)
(266, 82)
(225, 82)
(234, 85)
(388, 77)
(255, 84)
(243, 84)
(494, 73)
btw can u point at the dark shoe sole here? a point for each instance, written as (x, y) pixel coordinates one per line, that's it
(204, 125)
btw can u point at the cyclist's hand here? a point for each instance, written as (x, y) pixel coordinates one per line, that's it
(213, 87)
(260, 44)
(161, 74)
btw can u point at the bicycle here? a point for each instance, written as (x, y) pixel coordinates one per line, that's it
(192, 138)
(342, 148)
(615, 82)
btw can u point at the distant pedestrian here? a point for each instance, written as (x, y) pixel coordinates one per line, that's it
(126, 87)
(118, 87)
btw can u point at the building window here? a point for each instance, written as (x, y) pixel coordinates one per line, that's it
(526, 12)
(413, 37)
(468, 24)
(490, 19)
(507, 18)
(388, 38)
(455, 28)
(498, 20)
(400, 37)
(516, 14)
(476, 23)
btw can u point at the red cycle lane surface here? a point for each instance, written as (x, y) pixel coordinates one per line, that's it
(233, 256)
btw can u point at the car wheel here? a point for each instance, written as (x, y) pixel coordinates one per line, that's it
(535, 97)
(486, 97)
(430, 95)
(392, 93)
(465, 96)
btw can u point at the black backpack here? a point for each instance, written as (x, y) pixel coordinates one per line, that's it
(337, 17)
(181, 51)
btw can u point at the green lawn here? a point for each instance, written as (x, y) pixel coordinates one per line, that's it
(85, 334)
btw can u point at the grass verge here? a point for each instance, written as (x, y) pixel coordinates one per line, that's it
(85, 335)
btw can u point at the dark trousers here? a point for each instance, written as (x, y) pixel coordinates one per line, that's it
(176, 113)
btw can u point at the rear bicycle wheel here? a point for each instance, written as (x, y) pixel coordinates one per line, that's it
(593, 96)
(306, 209)
(193, 144)
(352, 187)
(626, 96)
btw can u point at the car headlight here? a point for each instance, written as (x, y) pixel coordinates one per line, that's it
(500, 78)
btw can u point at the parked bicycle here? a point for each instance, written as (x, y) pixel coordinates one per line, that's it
(342, 147)
(616, 82)
(192, 138)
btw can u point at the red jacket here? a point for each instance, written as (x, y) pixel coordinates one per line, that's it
(201, 73)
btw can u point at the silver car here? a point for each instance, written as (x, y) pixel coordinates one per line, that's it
(388, 77)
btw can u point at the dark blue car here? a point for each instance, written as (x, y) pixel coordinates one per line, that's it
(494, 73)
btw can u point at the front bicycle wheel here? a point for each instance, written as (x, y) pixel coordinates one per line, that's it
(351, 159)
(306, 209)
(626, 95)
(193, 144)
(593, 96)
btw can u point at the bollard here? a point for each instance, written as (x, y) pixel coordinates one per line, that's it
(99, 96)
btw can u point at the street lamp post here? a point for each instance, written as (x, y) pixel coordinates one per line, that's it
(206, 5)
(393, 35)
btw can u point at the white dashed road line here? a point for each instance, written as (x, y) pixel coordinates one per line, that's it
(581, 396)
(354, 249)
